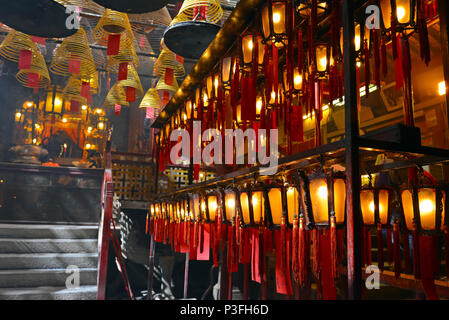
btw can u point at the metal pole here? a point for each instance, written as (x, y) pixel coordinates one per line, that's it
(152, 244)
(186, 275)
(354, 251)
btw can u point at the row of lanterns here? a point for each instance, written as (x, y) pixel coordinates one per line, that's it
(261, 92)
(291, 207)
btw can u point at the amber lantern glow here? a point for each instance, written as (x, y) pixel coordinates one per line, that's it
(274, 22)
(226, 72)
(322, 58)
(404, 12)
(230, 206)
(276, 205)
(212, 206)
(258, 206)
(292, 204)
(244, 208)
(423, 208)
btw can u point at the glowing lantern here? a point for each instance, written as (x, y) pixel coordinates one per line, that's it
(274, 22)
(404, 11)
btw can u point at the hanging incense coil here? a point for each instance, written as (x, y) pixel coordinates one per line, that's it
(14, 42)
(167, 60)
(127, 53)
(38, 67)
(151, 100)
(116, 95)
(162, 85)
(141, 23)
(132, 81)
(190, 10)
(113, 22)
(65, 3)
(75, 47)
(72, 90)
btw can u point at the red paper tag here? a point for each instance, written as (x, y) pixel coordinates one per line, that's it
(205, 254)
(166, 98)
(113, 44)
(33, 80)
(149, 113)
(117, 108)
(169, 76)
(122, 71)
(180, 59)
(74, 106)
(38, 40)
(85, 89)
(74, 65)
(24, 59)
(130, 94)
(142, 42)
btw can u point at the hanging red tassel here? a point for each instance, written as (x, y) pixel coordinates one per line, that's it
(275, 72)
(327, 281)
(423, 33)
(427, 267)
(398, 66)
(316, 253)
(113, 44)
(367, 68)
(333, 247)
(302, 256)
(74, 106)
(146, 223)
(397, 250)
(380, 248)
(300, 61)
(406, 246)
(376, 48)
(389, 246)
(383, 52)
(406, 62)
(394, 36)
(122, 71)
(446, 246)
(25, 59)
(295, 254)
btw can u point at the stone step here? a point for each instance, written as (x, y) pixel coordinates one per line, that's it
(11, 261)
(45, 277)
(47, 231)
(49, 293)
(14, 245)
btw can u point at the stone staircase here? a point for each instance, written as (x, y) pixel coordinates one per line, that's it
(36, 261)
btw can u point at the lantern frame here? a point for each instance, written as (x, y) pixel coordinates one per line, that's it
(226, 84)
(295, 72)
(294, 183)
(255, 56)
(258, 187)
(412, 17)
(376, 191)
(207, 196)
(244, 190)
(308, 5)
(330, 179)
(224, 192)
(440, 205)
(268, 211)
(322, 74)
(279, 39)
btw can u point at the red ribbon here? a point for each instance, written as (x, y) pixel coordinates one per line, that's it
(396, 250)
(427, 252)
(74, 65)
(380, 248)
(130, 94)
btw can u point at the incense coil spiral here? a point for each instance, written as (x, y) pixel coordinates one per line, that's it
(72, 91)
(132, 80)
(74, 47)
(167, 59)
(189, 10)
(113, 22)
(14, 42)
(127, 53)
(116, 95)
(151, 100)
(38, 67)
(162, 85)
